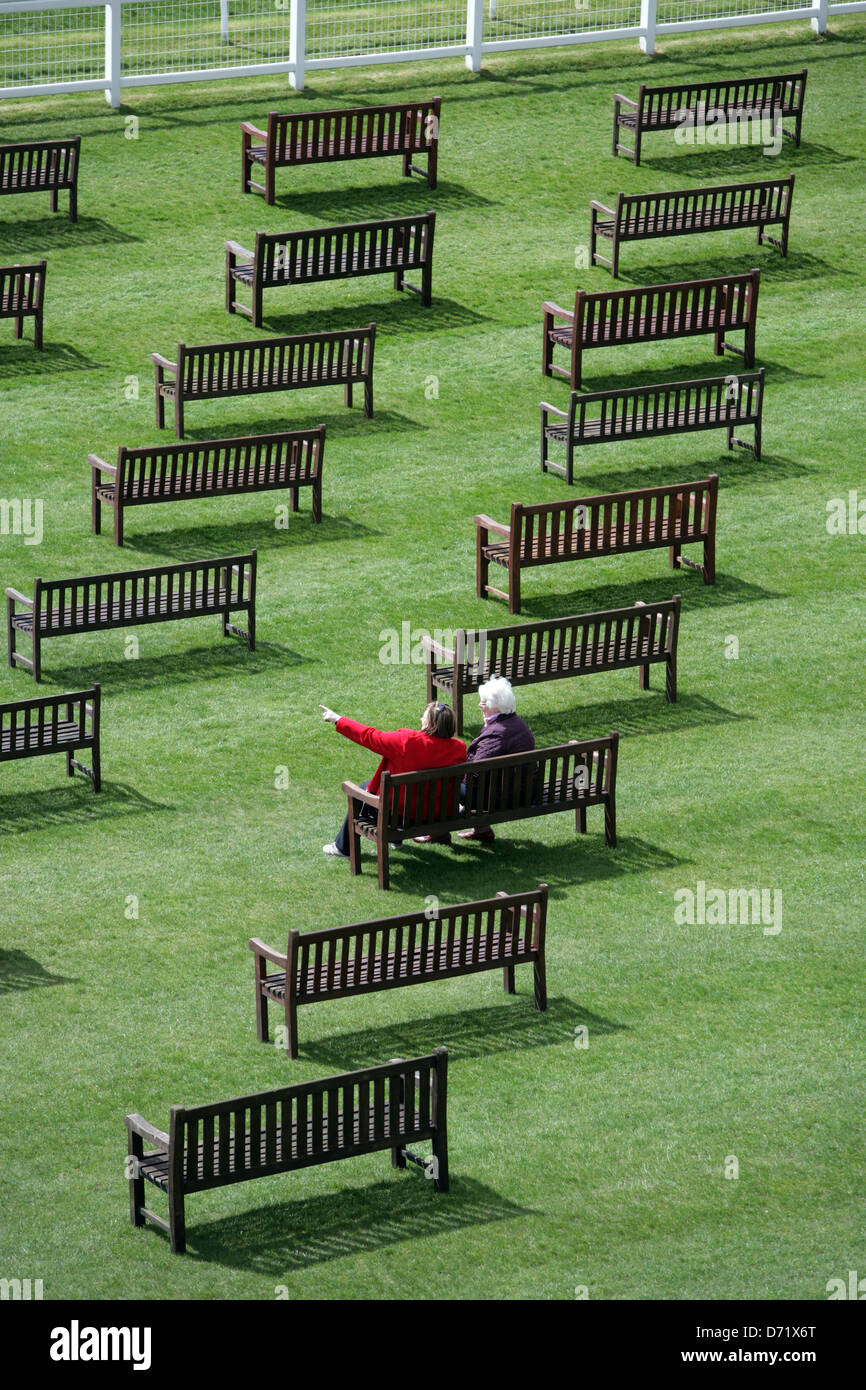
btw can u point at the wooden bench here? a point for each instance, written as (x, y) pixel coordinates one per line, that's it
(558, 648)
(411, 949)
(644, 412)
(22, 293)
(722, 305)
(740, 99)
(548, 533)
(54, 724)
(317, 137)
(256, 1136)
(163, 593)
(389, 247)
(211, 468)
(340, 358)
(724, 207)
(566, 777)
(36, 166)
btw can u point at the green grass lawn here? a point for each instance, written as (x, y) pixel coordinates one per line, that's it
(600, 1167)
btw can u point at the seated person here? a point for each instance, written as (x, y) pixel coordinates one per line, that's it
(504, 732)
(405, 750)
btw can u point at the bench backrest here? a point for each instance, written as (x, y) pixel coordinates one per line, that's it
(22, 288)
(220, 465)
(263, 363)
(33, 726)
(585, 642)
(295, 1126)
(39, 164)
(201, 587)
(393, 951)
(352, 133)
(664, 106)
(734, 204)
(565, 776)
(583, 526)
(627, 411)
(650, 312)
(324, 253)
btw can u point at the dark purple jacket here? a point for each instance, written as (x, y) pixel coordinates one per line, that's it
(504, 733)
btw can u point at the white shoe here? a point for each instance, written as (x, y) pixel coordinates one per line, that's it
(332, 850)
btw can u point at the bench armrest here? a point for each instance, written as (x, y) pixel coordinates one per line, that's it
(430, 646)
(22, 598)
(137, 1124)
(547, 409)
(361, 794)
(268, 952)
(490, 525)
(161, 361)
(602, 207)
(235, 249)
(626, 101)
(249, 129)
(100, 466)
(548, 307)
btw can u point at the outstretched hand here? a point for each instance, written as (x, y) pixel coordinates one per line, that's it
(328, 715)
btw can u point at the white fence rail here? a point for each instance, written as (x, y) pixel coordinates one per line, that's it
(49, 46)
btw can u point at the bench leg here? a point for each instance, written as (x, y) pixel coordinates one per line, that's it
(270, 180)
(349, 395)
(291, 1026)
(671, 680)
(18, 325)
(317, 500)
(368, 397)
(176, 1223)
(440, 1153)
(10, 633)
(643, 680)
(407, 166)
(508, 979)
(398, 279)
(118, 521)
(433, 165)
(37, 330)
(37, 649)
(73, 203)
(262, 1002)
(293, 499)
(383, 849)
(427, 285)
(757, 439)
(610, 823)
(95, 507)
(52, 200)
(482, 567)
(70, 754)
(136, 1184)
(514, 588)
(96, 768)
(710, 560)
(160, 409)
(674, 556)
(178, 413)
(580, 820)
(539, 979)
(457, 706)
(354, 844)
(614, 263)
(398, 1158)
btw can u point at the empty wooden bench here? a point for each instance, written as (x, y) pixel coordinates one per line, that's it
(256, 1136)
(582, 528)
(341, 358)
(526, 653)
(725, 207)
(410, 949)
(66, 723)
(212, 468)
(162, 593)
(643, 412)
(390, 247)
(22, 294)
(317, 137)
(568, 777)
(719, 306)
(42, 166)
(779, 97)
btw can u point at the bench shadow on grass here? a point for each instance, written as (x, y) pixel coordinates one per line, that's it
(350, 423)
(471, 869)
(209, 542)
(292, 1235)
(19, 971)
(73, 804)
(396, 313)
(709, 161)
(469, 1033)
(727, 590)
(774, 268)
(732, 465)
(229, 656)
(648, 713)
(40, 236)
(20, 359)
(596, 379)
(372, 202)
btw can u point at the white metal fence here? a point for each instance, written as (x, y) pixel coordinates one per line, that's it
(49, 46)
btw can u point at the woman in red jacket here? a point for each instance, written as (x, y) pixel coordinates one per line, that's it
(404, 750)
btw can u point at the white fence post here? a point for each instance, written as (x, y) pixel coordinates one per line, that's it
(224, 20)
(819, 20)
(647, 40)
(297, 43)
(474, 33)
(113, 21)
